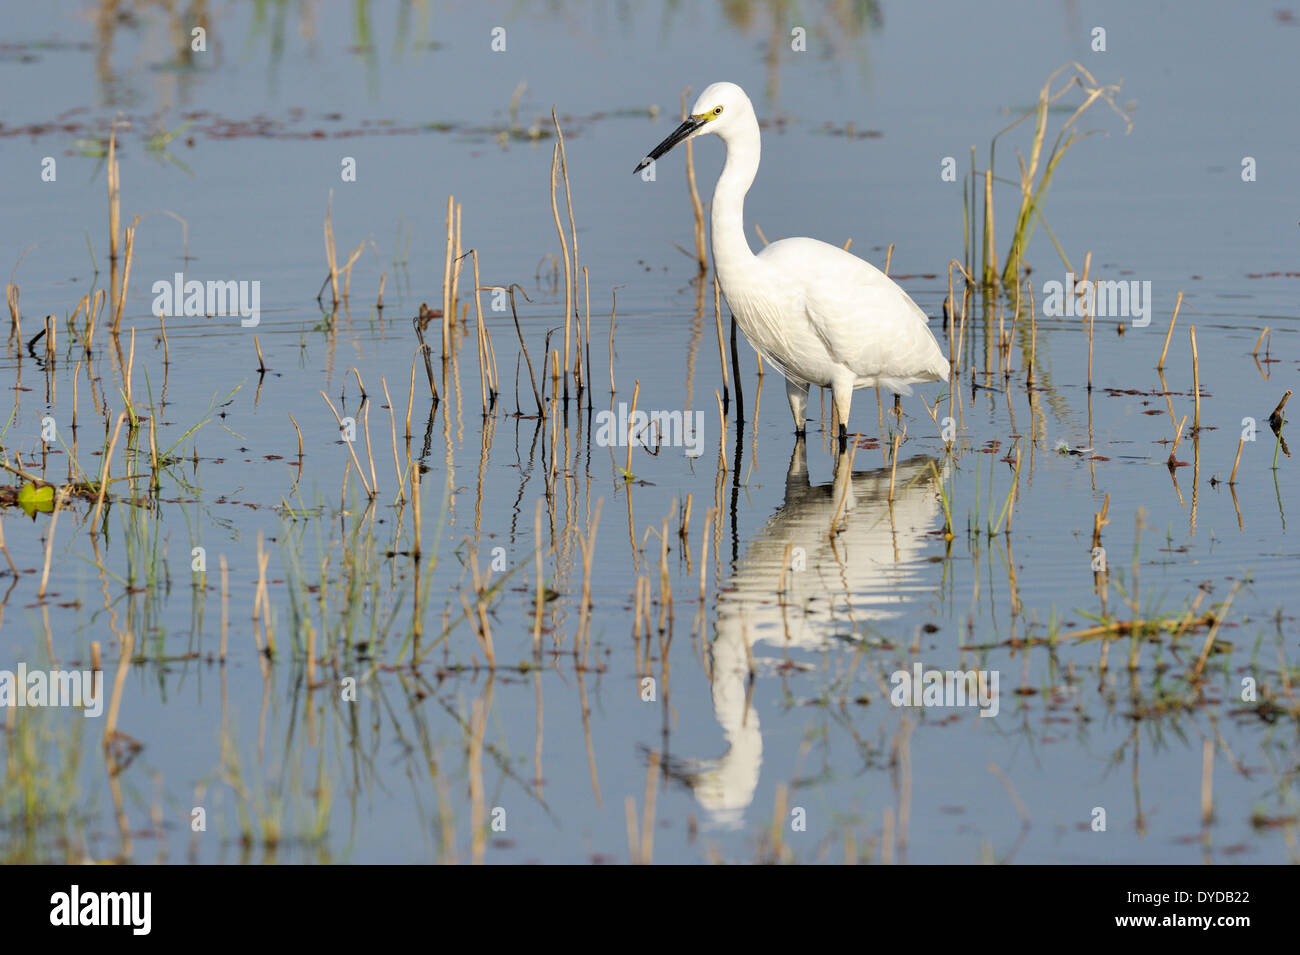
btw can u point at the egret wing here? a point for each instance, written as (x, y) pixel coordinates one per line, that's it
(864, 318)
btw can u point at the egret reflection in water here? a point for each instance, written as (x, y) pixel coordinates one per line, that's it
(830, 565)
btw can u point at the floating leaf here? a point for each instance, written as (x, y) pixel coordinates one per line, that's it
(32, 498)
(30, 493)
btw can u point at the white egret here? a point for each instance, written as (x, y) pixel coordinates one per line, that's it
(820, 315)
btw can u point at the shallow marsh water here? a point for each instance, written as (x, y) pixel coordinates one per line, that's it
(771, 694)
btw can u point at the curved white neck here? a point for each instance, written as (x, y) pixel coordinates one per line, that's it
(731, 250)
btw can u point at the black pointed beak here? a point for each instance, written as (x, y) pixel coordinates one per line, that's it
(679, 134)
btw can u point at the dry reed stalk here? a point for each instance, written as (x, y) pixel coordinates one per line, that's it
(76, 383)
(446, 280)
(722, 431)
(665, 580)
(568, 266)
(573, 231)
(261, 363)
(1099, 520)
(478, 318)
(262, 595)
(950, 308)
(455, 272)
(114, 201)
(1233, 479)
(1033, 344)
(154, 483)
(1011, 507)
(15, 316)
(410, 404)
(1178, 437)
(370, 492)
(697, 207)
(331, 256)
(383, 279)
(103, 469)
(532, 378)
(1011, 335)
(1089, 312)
(416, 515)
(889, 257)
(1196, 381)
(1169, 333)
(392, 420)
(494, 382)
(613, 316)
(424, 351)
(370, 457)
(961, 326)
(1275, 419)
(990, 251)
(130, 377)
(893, 465)
(97, 305)
(1259, 342)
(586, 285)
(636, 393)
(167, 350)
(299, 432)
(126, 273)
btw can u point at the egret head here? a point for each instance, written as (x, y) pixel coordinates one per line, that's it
(720, 108)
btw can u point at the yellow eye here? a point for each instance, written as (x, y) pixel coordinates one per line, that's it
(717, 111)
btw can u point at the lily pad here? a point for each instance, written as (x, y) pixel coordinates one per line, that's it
(32, 498)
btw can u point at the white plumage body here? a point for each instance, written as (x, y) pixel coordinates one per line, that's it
(822, 314)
